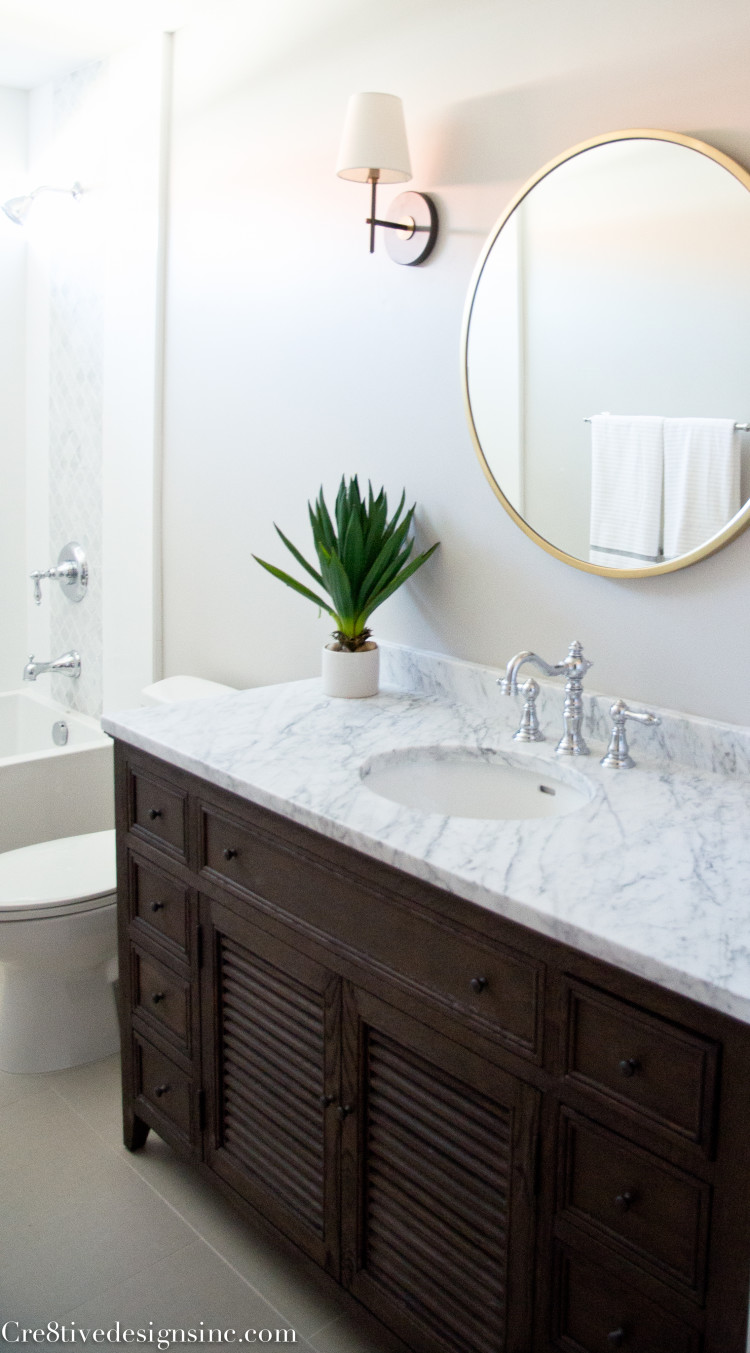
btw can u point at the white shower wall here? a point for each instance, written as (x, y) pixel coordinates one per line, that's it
(94, 326)
(13, 136)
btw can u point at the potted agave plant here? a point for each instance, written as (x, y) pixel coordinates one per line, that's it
(363, 557)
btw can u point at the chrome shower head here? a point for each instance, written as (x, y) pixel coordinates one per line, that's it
(17, 208)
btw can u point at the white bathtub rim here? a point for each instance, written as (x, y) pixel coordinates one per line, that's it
(91, 726)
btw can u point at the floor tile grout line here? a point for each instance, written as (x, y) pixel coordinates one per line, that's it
(95, 1296)
(204, 1240)
(322, 1328)
(130, 1166)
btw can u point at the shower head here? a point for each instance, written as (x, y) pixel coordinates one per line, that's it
(18, 208)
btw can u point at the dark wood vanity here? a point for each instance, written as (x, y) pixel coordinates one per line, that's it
(490, 1140)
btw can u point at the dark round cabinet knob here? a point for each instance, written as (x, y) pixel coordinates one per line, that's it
(161, 1090)
(629, 1066)
(229, 853)
(157, 996)
(157, 906)
(344, 1110)
(478, 984)
(616, 1339)
(624, 1201)
(154, 813)
(325, 1101)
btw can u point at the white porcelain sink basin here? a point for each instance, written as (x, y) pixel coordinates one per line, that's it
(473, 782)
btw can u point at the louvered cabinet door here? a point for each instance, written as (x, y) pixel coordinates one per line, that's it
(274, 1059)
(437, 1196)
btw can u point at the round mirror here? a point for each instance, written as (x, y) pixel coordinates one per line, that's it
(606, 354)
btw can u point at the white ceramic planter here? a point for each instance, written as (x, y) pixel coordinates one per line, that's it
(351, 675)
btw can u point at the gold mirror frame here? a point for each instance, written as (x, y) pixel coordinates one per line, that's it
(741, 520)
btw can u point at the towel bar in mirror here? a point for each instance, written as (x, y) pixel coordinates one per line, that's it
(605, 352)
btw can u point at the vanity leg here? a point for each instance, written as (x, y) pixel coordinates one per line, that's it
(134, 1131)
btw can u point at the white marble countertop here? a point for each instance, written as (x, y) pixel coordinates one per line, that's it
(652, 874)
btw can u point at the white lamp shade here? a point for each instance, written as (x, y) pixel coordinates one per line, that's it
(374, 138)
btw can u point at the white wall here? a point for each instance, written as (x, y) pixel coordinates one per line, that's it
(293, 356)
(13, 142)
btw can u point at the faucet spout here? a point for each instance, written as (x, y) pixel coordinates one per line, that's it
(573, 667)
(69, 664)
(509, 683)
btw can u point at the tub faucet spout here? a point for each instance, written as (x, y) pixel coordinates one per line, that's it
(67, 665)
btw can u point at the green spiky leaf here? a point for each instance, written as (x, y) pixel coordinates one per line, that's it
(363, 556)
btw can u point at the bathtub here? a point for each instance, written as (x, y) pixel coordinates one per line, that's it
(48, 791)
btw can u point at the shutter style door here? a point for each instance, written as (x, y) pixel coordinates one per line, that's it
(437, 1154)
(276, 1062)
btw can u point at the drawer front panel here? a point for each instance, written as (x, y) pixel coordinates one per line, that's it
(159, 903)
(657, 1215)
(597, 1313)
(158, 812)
(164, 1087)
(663, 1073)
(499, 989)
(162, 996)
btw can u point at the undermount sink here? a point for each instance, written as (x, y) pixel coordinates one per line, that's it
(472, 782)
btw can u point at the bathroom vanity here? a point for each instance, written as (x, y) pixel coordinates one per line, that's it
(423, 1049)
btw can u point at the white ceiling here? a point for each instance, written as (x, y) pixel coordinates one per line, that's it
(41, 39)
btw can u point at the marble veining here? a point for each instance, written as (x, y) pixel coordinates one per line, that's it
(652, 874)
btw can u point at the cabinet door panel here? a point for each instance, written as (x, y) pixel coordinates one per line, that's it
(275, 1073)
(438, 1150)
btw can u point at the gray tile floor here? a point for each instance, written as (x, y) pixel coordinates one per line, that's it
(91, 1234)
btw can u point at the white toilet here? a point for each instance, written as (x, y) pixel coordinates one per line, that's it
(58, 947)
(183, 688)
(58, 937)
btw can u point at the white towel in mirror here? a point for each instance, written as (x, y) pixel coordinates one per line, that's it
(701, 481)
(627, 465)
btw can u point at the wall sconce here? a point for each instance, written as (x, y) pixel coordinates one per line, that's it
(374, 150)
(18, 208)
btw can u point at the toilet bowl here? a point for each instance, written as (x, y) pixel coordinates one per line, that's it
(58, 941)
(58, 937)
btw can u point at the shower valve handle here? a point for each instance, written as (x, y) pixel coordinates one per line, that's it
(71, 571)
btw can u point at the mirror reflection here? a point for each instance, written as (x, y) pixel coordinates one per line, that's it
(607, 352)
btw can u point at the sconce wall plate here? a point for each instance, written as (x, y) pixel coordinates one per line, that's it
(416, 241)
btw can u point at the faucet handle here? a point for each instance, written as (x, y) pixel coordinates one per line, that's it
(617, 756)
(528, 729)
(36, 578)
(71, 571)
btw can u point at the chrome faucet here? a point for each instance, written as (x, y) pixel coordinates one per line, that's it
(68, 665)
(574, 668)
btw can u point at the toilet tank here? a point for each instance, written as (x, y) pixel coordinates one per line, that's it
(183, 688)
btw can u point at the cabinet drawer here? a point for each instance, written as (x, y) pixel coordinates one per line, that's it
(596, 1312)
(659, 1071)
(159, 904)
(157, 812)
(164, 1087)
(655, 1214)
(161, 996)
(499, 989)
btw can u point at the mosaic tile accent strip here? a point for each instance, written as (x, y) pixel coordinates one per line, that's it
(75, 432)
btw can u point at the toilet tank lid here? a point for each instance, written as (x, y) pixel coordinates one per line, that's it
(51, 872)
(183, 688)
